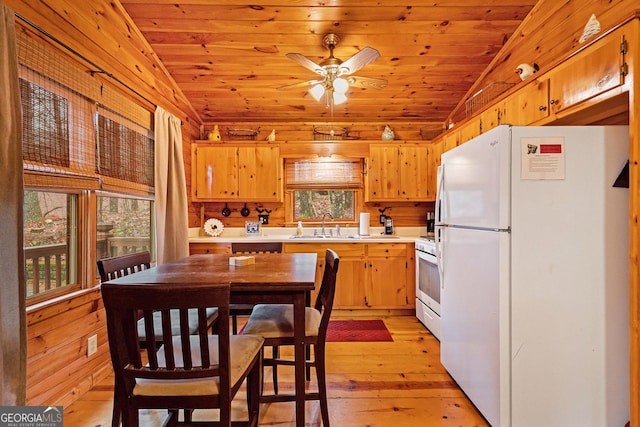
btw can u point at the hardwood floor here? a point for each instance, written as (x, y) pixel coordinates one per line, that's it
(370, 384)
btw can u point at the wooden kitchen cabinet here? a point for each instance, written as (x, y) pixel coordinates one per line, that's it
(387, 281)
(528, 105)
(397, 172)
(595, 70)
(470, 130)
(370, 275)
(491, 117)
(434, 151)
(248, 172)
(350, 279)
(450, 140)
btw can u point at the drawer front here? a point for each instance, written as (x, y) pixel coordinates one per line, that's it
(209, 248)
(387, 249)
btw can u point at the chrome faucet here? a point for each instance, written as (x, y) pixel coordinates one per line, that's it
(322, 232)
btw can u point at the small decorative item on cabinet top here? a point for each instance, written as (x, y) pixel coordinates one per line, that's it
(214, 135)
(388, 134)
(428, 134)
(243, 134)
(329, 133)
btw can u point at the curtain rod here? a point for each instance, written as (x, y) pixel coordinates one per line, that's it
(78, 54)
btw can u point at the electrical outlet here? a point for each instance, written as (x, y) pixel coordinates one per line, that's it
(92, 345)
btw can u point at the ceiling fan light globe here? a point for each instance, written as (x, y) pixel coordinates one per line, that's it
(340, 85)
(317, 92)
(339, 98)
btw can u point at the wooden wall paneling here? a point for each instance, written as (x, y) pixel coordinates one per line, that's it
(57, 365)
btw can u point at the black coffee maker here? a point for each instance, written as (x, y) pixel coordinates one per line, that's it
(431, 222)
(388, 225)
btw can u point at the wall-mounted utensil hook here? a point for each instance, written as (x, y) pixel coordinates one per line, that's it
(383, 217)
(263, 217)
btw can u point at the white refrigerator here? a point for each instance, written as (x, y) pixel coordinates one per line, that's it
(533, 252)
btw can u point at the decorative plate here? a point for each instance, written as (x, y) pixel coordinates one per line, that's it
(213, 227)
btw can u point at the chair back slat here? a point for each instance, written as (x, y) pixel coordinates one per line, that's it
(112, 268)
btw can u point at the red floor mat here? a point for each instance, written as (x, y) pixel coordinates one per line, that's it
(357, 330)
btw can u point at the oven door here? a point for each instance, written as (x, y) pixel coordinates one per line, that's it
(428, 281)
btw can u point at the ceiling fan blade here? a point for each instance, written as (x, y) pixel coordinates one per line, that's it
(300, 84)
(359, 60)
(366, 82)
(306, 63)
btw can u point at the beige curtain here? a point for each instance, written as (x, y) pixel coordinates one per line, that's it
(170, 188)
(13, 344)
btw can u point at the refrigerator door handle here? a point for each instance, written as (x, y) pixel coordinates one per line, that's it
(438, 221)
(439, 194)
(439, 254)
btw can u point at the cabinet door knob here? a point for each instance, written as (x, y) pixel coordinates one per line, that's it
(542, 108)
(554, 101)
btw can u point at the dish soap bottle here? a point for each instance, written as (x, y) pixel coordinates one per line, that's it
(299, 230)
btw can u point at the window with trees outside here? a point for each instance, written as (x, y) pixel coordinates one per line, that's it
(324, 188)
(124, 225)
(88, 170)
(50, 241)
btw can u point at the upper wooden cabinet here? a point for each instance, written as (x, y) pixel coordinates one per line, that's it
(247, 172)
(434, 151)
(528, 105)
(470, 129)
(591, 72)
(397, 172)
(451, 140)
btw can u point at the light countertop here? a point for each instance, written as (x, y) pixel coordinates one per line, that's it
(288, 234)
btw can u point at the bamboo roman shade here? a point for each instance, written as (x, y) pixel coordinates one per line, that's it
(79, 130)
(306, 174)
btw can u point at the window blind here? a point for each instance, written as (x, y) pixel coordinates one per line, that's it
(79, 130)
(309, 174)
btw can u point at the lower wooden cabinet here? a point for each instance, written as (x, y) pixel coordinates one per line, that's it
(370, 276)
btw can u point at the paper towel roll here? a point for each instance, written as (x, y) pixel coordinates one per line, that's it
(364, 224)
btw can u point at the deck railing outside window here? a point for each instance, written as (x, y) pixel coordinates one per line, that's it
(46, 268)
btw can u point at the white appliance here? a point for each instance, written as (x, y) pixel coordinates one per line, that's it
(533, 247)
(427, 285)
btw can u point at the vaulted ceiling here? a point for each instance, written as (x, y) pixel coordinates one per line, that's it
(228, 57)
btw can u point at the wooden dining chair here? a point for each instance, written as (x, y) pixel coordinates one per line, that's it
(248, 248)
(186, 372)
(275, 323)
(123, 265)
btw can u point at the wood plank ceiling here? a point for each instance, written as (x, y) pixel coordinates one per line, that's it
(229, 57)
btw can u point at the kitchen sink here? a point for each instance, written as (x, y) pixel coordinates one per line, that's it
(348, 237)
(317, 236)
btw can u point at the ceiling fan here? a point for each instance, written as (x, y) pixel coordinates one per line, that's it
(336, 75)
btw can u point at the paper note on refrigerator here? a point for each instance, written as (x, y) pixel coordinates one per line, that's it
(542, 158)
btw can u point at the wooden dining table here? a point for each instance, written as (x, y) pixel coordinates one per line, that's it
(274, 278)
